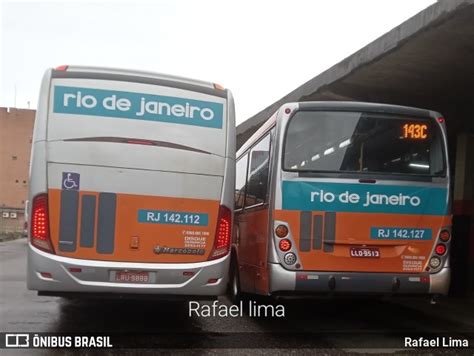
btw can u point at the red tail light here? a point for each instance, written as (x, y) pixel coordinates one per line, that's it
(440, 249)
(222, 237)
(40, 224)
(284, 245)
(281, 231)
(62, 68)
(444, 235)
(46, 275)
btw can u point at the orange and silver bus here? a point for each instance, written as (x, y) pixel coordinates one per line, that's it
(131, 184)
(343, 198)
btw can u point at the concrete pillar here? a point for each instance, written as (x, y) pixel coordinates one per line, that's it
(463, 211)
(463, 189)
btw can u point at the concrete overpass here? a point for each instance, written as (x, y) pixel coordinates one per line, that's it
(428, 62)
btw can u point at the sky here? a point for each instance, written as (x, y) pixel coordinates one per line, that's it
(260, 50)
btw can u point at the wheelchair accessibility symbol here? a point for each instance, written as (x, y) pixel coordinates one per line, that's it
(71, 181)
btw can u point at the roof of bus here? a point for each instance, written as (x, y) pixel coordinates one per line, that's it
(135, 73)
(366, 106)
(337, 105)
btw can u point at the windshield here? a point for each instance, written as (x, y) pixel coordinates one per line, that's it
(360, 142)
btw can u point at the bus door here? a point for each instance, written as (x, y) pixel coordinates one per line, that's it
(253, 220)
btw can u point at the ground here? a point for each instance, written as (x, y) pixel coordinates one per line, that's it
(326, 325)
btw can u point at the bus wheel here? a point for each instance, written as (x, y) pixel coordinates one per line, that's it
(234, 286)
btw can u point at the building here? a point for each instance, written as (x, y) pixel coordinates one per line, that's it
(427, 62)
(16, 130)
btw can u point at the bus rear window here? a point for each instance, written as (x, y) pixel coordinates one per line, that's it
(358, 142)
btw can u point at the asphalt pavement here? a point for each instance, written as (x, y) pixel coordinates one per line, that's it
(309, 326)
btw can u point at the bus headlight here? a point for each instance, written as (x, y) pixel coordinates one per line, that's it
(435, 262)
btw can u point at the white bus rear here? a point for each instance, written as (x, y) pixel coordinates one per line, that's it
(131, 184)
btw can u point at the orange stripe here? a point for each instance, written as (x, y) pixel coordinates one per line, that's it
(353, 229)
(149, 235)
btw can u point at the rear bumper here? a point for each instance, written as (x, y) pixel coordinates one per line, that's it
(98, 276)
(282, 280)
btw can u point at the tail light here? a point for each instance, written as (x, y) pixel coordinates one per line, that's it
(435, 262)
(281, 231)
(439, 255)
(284, 245)
(222, 237)
(47, 275)
(39, 225)
(440, 249)
(445, 235)
(290, 258)
(62, 68)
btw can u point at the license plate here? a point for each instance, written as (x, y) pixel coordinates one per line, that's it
(365, 252)
(132, 277)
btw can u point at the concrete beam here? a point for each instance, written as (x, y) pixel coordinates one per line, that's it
(385, 73)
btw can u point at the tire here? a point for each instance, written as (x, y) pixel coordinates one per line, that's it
(235, 293)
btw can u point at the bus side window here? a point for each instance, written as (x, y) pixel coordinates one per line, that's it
(240, 181)
(257, 185)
